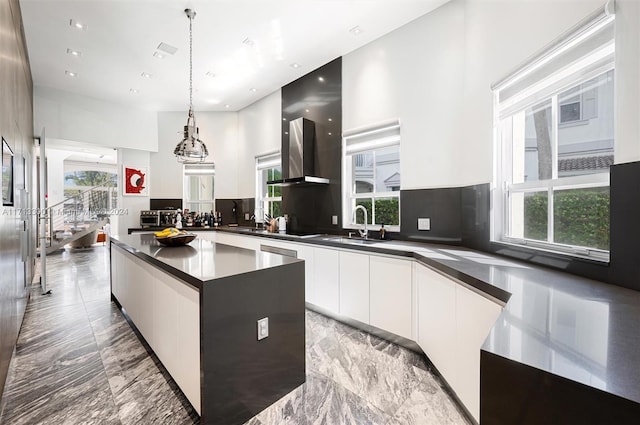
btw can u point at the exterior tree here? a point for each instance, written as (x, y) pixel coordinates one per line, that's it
(541, 122)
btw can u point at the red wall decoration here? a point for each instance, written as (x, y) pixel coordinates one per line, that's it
(135, 181)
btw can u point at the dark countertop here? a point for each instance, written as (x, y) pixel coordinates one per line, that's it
(581, 329)
(199, 262)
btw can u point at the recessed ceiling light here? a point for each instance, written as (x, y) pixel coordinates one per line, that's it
(71, 73)
(355, 30)
(329, 134)
(158, 55)
(78, 25)
(284, 119)
(321, 79)
(167, 48)
(134, 91)
(330, 119)
(227, 106)
(74, 52)
(210, 74)
(253, 89)
(306, 110)
(249, 42)
(295, 65)
(145, 75)
(286, 132)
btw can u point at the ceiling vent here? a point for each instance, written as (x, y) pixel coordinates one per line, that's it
(167, 48)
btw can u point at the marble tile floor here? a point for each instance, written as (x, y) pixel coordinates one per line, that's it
(78, 361)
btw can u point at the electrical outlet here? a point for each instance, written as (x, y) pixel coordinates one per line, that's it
(334, 219)
(247, 216)
(424, 224)
(263, 328)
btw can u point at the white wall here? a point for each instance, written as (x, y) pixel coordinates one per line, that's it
(499, 36)
(627, 81)
(259, 127)
(132, 204)
(83, 119)
(436, 72)
(55, 176)
(218, 130)
(415, 74)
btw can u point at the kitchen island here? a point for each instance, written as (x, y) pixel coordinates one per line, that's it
(198, 307)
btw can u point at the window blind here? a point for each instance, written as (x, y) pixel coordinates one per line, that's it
(371, 137)
(584, 51)
(268, 160)
(199, 169)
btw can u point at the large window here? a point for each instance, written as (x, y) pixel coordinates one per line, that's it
(268, 197)
(555, 142)
(371, 176)
(198, 187)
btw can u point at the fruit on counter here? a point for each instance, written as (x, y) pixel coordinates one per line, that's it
(169, 231)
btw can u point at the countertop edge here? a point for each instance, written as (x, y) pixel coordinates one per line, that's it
(193, 281)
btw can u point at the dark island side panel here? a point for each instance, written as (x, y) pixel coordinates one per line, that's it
(241, 375)
(514, 393)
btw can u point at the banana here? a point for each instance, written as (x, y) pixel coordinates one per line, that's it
(166, 232)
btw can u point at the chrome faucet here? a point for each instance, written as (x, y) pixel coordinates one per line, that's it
(363, 232)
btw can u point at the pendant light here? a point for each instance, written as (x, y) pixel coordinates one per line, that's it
(191, 149)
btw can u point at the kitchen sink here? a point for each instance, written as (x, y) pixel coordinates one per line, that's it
(251, 230)
(352, 241)
(275, 234)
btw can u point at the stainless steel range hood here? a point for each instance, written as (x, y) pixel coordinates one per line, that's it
(299, 166)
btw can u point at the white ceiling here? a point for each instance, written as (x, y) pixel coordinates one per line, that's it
(122, 36)
(82, 152)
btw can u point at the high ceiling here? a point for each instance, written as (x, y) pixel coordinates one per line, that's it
(246, 46)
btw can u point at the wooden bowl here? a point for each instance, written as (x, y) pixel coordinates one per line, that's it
(177, 240)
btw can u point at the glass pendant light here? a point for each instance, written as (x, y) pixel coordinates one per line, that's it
(191, 149)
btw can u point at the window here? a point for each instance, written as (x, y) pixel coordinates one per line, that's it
(198, 187)
(268, 197)
(555, 142)
(579, 103)
(103, 181)
(371, 176)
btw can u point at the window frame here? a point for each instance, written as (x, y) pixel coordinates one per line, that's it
(349, 196)
(264, 162)
(200, 169)
(518, 103)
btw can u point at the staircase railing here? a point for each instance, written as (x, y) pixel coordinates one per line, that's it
(74, 212)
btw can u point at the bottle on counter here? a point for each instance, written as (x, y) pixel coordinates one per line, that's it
(178, 220)
(383, 231)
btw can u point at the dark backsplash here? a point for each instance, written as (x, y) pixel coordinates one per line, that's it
(625, 225)
(310, 207)
(242, 207)
(476, 216)
(165, 204)
(441, 206)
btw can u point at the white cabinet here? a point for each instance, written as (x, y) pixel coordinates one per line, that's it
(437, 319)
(354, 286)
(475, 316)
(305, 253)
(390, 295)
(240, 241)
(326, 292)
(209, 235)
(453, 322)
(167, 313)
